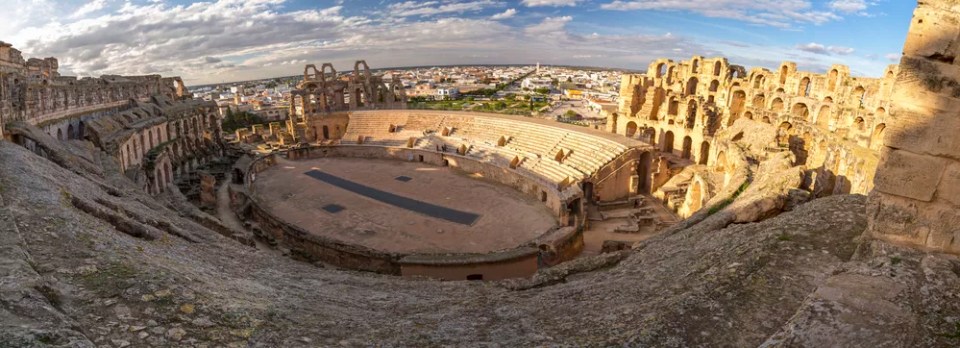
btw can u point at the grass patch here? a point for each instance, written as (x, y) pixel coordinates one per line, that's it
(726, 202)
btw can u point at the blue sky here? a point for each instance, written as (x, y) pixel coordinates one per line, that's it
(228, 40)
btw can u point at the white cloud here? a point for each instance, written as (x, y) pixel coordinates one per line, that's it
(814, 47)
(775, 13)
(849, 6)
(549, 25)
(509, 13)
(553, 3)
(88, 8)
(893, 57)
(430, 8)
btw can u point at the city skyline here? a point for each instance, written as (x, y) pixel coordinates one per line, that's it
(228, 40)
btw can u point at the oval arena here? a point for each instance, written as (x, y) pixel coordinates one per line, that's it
(440, 194)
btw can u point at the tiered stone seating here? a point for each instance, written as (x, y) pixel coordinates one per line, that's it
(374, 126)
(535, 144)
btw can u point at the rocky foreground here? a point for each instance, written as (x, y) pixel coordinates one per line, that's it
(86, 260)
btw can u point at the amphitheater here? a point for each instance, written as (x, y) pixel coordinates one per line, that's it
(719, 207)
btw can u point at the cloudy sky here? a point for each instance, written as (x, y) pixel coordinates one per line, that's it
(228, 40)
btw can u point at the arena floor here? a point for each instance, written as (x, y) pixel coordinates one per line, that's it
(400, 206)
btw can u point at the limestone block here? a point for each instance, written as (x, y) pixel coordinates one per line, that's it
(949, 189)
(910, 175)
(933, 32)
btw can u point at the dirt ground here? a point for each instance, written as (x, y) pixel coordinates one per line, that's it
(507, 218)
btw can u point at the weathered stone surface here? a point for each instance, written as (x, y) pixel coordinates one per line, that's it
(909, 175)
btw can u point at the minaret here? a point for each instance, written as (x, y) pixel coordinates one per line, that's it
(538, 68)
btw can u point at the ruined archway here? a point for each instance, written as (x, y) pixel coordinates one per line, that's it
(687, 147)
(876, 139)
(800, 111)
(704, 153)
(667, 145)
(631, 129)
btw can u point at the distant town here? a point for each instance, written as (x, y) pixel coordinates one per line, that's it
(576, 95)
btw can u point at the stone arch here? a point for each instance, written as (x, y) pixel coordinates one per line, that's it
(859, 94)
(777, 105)
(880, 114)
(876, 138)
(704, 153)
(631, 129)
(673, 106)
(70, 132)
(721, 162)
(766, 119)
(650, 134)
(59, 134)
(692, 86)
(832, 80)
(805, 87)
(661, 70)
(714, 85)
(758, 81)
(748, 115)
(823, 116)
(326, 132)
(784, 70)
(696, 66)
(737, 104)
(667, 145)
(691, 114)
(687, 147)
(800, 111)
(859, 125)
(717, 68)
(758, 101)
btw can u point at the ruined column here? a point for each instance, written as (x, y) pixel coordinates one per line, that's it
(916, 198)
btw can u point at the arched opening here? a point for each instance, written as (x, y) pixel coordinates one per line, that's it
(696, 66)
(59, 134)
(358, 95)
(876, 139)
(661, 70)
(326, 132)
(717, 68)
(691, 114)
(737, 104)
(783, 134)
(859, 94)
(823, 116)
(721, 163)
(692, 86)
(650, 136)
(758, 101)
(643, 173)
(668, 142)
(858, 124)
(880, 114)
(758, 81)
(800, 112)
(704, 153)
(805, 87)
(832, 80)
(714, 85)
(766, 119)
(673, 108)
(777, 105)
(70, 133)
(783, 74)
(687, 147)
(748, 115)
(631, 129)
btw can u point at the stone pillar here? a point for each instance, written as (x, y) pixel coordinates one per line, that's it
(916, 198)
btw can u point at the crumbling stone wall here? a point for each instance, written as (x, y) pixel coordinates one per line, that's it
(917, 193)
(33, 91)
(833, 122)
